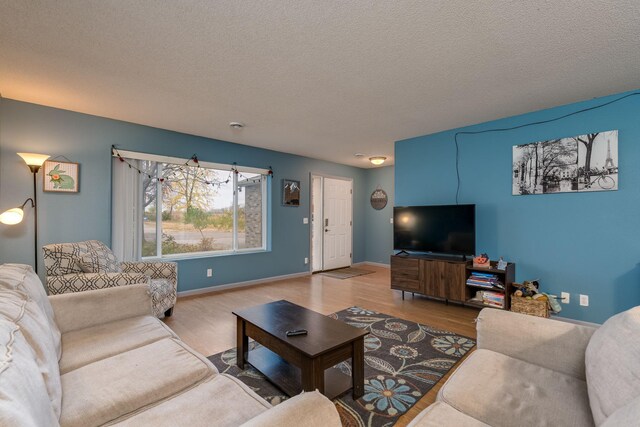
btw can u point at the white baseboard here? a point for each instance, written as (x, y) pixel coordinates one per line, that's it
(226, 286)
(577, 322)
(377, 264)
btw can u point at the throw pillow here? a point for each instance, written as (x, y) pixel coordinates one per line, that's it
(103, 261)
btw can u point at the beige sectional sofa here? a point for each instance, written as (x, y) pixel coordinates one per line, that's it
(100, 358)
(530, 371)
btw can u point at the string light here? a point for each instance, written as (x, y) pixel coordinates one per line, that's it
(194, 159)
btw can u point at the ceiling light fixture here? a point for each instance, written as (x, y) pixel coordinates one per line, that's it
(377, 160)
(236, 125)
(359, 155)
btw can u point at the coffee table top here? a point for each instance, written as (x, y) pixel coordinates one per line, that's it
(324, 333)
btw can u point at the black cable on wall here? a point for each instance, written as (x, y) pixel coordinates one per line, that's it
(455, 136)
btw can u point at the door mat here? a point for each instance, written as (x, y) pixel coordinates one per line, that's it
(403, 361)
(347, 272)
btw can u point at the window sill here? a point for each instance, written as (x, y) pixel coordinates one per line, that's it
(199, 255)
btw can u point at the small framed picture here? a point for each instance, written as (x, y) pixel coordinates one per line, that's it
(290, 192)
(61, 177)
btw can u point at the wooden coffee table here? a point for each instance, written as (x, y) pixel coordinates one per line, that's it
(300, 363)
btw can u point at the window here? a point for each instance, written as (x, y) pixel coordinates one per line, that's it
(195, 210)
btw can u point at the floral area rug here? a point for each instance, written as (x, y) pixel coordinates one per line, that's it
(403, 361)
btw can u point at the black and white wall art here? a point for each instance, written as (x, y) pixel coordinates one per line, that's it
(576, 164)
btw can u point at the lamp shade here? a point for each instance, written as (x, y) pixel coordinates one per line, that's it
(12, 216)
(377, 160)
(33, 159)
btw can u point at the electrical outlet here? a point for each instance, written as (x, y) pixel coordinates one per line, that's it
(305, 220)
(584, 300)
(565, 297)
(306, 260)
(390, 220)
(209, 272)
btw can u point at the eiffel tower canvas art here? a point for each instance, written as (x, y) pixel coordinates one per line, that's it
(574, 164)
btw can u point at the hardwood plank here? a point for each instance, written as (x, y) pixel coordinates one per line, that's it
(205, 321)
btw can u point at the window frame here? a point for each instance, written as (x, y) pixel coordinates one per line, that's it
(160, 160)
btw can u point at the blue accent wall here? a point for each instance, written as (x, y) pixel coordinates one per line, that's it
(378, 228)
(582, 243)
(87, 215)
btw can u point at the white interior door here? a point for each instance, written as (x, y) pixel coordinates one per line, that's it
(337, 197)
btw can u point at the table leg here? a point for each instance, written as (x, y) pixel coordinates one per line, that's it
(357, 363)
(312, 375)
(242, 343)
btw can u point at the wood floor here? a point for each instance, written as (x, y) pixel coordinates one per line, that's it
(205, 321)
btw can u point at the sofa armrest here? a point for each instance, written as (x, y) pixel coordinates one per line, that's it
(552, 344)
(310, 409)
(80, 282)
(153, 269)
(80, 310)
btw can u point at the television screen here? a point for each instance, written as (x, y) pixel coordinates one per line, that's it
(449, 229)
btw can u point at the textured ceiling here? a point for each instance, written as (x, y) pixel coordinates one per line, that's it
(325, 79)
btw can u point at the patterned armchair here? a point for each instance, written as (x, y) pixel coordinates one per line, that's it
(89, 265)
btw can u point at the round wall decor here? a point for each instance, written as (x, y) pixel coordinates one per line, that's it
(379, 199)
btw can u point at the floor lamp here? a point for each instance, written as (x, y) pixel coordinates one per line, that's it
(15, 215)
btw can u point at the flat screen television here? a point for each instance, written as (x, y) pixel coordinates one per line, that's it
(447, 229)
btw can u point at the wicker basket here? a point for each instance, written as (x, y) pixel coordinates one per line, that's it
(529, 306)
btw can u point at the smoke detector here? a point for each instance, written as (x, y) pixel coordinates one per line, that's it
(236, 125)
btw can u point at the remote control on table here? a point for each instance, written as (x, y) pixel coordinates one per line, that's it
(296, 332)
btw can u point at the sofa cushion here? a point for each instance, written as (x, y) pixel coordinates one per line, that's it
(84, 346)
(24, 400)
(440, 414)
(16, 307)
(628, 415)
(310, 409)
(111, 388)
(612, 364)
(23, 278)
(498, 389)
(221, 398)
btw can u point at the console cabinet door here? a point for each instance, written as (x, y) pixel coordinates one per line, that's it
(432, 273)
(405, 274)
(455, 279)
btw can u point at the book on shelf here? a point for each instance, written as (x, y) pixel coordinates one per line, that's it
(493, 299)
(484, 280)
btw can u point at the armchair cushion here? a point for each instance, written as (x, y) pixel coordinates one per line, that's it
(62, 258)
(78, 282)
